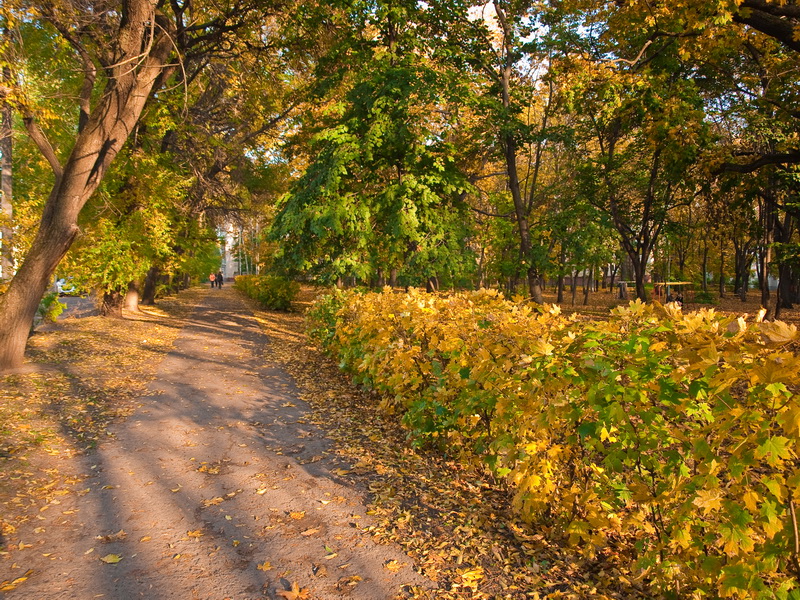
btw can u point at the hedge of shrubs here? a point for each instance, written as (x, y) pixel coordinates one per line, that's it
(676, 436)
(271, 291)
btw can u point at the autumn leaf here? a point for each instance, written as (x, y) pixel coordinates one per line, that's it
(295, 593)
(114, 537)
(9, 585)
(393, 565)
(774, 449)
(265, 566)
(111, 559)
(297, 514)
(778, 332)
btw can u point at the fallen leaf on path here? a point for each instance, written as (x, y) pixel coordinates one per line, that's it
(9, 585)
(113, 537)
(311, 531)
(351, 581)
(111, 559)
(296, 593)
(195, 534)
(393, 565)
(145, 538)
(213, 501)
(265, 566)
(297, 514)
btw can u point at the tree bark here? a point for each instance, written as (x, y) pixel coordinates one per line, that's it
(130, 82)
(6, 188)
(131, 301)
(587, 284)
(111, 304)
(150, 286)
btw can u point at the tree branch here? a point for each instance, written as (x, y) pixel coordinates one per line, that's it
(789, 158)
(40, 139)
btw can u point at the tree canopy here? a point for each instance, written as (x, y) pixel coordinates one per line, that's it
(447, 144)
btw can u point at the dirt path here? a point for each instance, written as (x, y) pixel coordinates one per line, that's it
(217, 487)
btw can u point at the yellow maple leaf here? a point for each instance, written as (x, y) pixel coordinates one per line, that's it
(708, 500)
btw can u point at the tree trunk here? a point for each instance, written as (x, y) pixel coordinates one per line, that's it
(560, 284)
(150, 286)
(6, 189)
(614, 270)
(721, 273)
(111, 304)
(587, 286)
(131, 301)
(574, 285)
(100, 137)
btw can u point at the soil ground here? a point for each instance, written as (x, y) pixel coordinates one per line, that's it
(215, 487)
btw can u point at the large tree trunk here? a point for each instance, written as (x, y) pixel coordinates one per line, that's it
(100, 137)
(131, 301)
(150, 286)
(111, 304)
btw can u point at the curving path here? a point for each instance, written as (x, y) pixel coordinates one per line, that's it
(215, 488)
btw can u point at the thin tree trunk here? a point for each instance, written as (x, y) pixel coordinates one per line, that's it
(6, 188)
(574, 285)
(587, 286)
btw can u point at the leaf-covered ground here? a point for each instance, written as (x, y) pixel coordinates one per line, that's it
(83, 374)
(453, 522)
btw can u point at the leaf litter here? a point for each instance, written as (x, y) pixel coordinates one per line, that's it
(82, 375)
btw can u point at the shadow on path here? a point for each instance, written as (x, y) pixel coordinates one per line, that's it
(215, 488)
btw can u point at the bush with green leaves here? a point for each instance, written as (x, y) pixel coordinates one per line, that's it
(271, 291)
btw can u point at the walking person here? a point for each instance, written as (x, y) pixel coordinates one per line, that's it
(219, 279)
(211, 278)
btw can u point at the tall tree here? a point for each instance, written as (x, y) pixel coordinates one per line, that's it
(124, 52)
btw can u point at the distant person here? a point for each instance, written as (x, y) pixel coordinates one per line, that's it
(211, 278)
(220, 279)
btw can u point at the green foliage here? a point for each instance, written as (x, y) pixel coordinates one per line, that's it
(674, 435)
(50, 307)
(321, 318)
(702, 297)
(271, 291)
